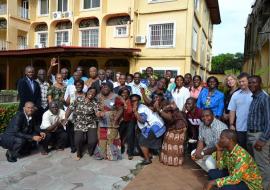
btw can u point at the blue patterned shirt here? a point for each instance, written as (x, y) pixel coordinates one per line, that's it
(259, 115)
(215, 102)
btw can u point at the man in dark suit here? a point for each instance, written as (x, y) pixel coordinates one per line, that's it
(29, 89)
(102, 79)
(21, 132)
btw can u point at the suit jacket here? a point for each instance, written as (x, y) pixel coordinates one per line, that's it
(97, 84)
(19, 127)
(26, 93)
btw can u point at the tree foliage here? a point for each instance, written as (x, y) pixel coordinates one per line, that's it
(228, 61)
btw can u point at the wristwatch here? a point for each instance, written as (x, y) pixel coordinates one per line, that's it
(202, 153)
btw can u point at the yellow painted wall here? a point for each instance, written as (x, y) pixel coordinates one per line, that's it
(142, 13)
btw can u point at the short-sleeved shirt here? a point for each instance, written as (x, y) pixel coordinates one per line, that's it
(49, 119)
(136, 89)
(240, 103)
(210, 135)
(84, 114)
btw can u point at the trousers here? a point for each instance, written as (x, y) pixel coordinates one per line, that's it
(80, 137)
(262, 158)
(215, 174)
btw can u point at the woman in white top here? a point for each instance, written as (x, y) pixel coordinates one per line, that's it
(180, 93)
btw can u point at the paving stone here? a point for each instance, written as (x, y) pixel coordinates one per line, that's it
(38, 165)
(80, 176)
(116, 171)
(34, 182)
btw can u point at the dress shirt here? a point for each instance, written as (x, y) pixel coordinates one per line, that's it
(241, 167)
(136, 88)
(44, 86)
(259, 115)
(210, 135)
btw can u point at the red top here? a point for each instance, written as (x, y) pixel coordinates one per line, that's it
(194, 118)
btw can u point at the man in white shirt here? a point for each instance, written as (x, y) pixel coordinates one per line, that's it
(136, 85)
(52, 124)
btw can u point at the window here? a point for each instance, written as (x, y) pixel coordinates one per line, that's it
(194, 40)
(43, 7)
(121, 31)
(62, 37)
(62, 5)
(90, 4)
(162, 35)
(89, 37)
(162, 71)
(42, 38)
(197, 4)
(22, 42)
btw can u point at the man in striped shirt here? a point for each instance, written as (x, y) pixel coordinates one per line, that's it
(258, 127)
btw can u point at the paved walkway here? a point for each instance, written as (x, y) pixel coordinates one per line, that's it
(59, 171)
(159, 177)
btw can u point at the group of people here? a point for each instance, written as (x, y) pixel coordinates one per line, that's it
(228, 135)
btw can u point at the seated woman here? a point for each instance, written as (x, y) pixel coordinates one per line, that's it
(151, 125)
(85, 121)
(109, 113)
(172, 152)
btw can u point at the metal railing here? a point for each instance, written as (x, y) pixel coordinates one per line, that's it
(23, 13)
(3, 9)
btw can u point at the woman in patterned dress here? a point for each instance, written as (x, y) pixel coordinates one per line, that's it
(109, 114)
(85, 121)
(56, 92)
(172, 152)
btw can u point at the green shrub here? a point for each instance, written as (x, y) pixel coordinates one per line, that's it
(7, 111)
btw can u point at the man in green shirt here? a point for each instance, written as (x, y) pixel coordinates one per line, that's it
(236, 168)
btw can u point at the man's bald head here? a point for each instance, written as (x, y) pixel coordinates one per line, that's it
(29, 71)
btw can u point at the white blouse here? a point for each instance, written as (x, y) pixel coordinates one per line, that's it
(180, 97)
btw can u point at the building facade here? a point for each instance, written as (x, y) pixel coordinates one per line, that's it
(164, 34)
(257, 39)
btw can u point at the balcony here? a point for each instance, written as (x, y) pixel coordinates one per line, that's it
(3, 9)
(23, 13)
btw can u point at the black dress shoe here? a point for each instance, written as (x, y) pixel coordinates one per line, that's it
(146, 162)
(10, 158)
(73, 150)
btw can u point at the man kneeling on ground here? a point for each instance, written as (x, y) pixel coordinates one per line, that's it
(236, 168)
(21, 134)
(52, 124)
(209, 133)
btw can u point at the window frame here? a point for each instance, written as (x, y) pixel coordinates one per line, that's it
(64, 30)
(37, 40)
(39, 8)
(123, 35)
(163, 69)
(62, 6)
(88, 28)
(90, 9)
(148, 42)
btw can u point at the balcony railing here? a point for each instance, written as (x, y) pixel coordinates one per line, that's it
(3, 45)
(3, 9)
(23, 13)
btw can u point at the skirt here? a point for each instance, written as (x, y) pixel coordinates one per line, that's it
(172, 152)
(151, 141)
(109, 144)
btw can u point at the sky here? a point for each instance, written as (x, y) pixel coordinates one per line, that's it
(229, 36)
